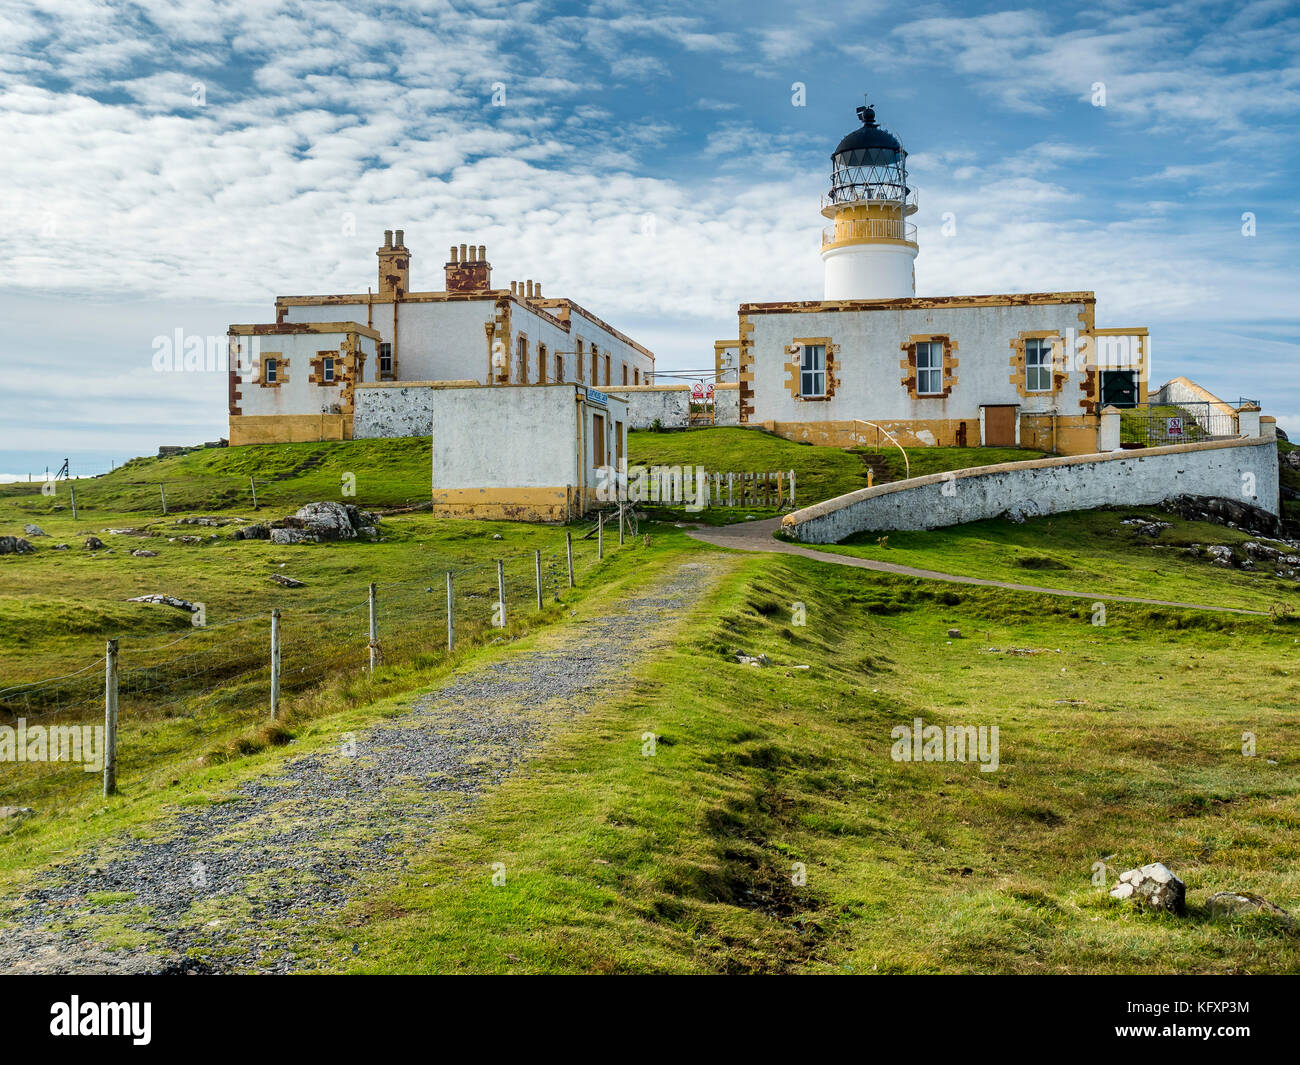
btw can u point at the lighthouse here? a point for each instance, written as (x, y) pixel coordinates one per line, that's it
(869, 251)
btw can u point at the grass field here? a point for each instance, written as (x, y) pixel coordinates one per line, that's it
(1089, 551)
(1120, 745)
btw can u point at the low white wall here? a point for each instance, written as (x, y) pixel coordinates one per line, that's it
(384, 410)
(671, 405)
(1244, 470)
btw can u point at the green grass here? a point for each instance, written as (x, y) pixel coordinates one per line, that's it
(388, 473)
(1119, 745)
(191, 693)
(820, 472)
(1088, 551)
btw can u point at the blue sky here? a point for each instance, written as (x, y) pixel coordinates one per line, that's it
(176, 165)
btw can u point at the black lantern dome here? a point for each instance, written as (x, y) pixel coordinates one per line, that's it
(869, 164)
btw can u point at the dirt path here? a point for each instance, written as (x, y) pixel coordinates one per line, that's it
(757, 536)
(230, 886)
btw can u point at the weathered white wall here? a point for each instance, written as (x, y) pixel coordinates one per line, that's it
(870, 376)
(671, 405)
(513, 436)
(869, 272)
(386, 410)
(1244, 470)
(295, 394)
(444, 340)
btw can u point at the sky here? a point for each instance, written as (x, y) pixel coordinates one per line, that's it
(176, 164)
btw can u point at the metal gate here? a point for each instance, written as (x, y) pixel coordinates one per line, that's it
(1158, 424)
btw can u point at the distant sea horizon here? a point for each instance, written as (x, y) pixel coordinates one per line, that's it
(19, 465)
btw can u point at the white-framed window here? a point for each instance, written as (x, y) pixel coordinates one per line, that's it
(929, 367)
(270, 371)
(385, 359)
(1038, 364)
(327, 369)
(812, 371)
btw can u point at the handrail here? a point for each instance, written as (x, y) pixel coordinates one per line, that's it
(907, 464)
(869, 229)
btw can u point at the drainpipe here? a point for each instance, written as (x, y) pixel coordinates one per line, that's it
(581, 398)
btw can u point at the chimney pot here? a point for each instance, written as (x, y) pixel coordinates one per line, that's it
(451, 255)
(539, 290)
(463, 257)
(514, 288)
(388, 238)
(530, 290)
(401, 238)
(482, 253)
(473, 254)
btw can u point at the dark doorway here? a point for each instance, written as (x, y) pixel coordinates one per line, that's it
(1119, 388)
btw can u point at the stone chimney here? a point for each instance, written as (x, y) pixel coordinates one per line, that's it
(468, 269)
(394, 266)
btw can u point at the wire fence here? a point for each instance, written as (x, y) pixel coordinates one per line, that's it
(164, 696)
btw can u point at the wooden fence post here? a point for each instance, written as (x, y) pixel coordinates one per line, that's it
(501, 590)
(162, 489)
(620, 526)
(792, 488)
(537, 564)
(568, 549)
(275, 663)
(600, 536)
(110, 718)
(374, 628)
(451, 616)
(731, 489)
(253, 485)
(73, 490)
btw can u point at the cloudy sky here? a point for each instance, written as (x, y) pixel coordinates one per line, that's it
(176, 164)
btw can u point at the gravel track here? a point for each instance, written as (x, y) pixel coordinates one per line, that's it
(229, 886)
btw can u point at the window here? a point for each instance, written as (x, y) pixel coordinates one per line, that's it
(521, 353)
(625, 373)
(327, 369)
(636, 375)
(812, 370)
(1038, 364)
(607, 381)
(559, 368)
(929, 368)
(577, 361)
(270, 371)
(385, 360)
(595, 378)
(541, 364)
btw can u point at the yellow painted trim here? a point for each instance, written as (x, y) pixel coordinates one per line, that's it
(288, 428)
(290, 328)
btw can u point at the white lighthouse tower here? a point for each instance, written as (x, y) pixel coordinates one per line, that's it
(870, 251)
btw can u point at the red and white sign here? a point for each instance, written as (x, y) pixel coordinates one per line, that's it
(1175, 426)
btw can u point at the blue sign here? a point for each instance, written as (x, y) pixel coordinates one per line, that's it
(598, 398)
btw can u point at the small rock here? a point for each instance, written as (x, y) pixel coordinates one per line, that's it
(1220, 555)
(1232, 903)
(94, 543)
(33, 530)
(752, 660)
(15, 545)
(253, 532)
(7, 812)
(1153, 885)
(293, 536)
(954, 634)
(287, 582)
(496, 536)
(140, 552)
(165, 600)
(62, 547)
